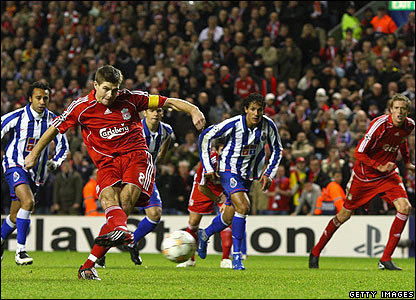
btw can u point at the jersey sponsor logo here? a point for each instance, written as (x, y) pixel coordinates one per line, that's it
(31, 142)
(109, 133)
(389, 148)
(16, 176)
(248, 150)
(125, 114)
(233, 183)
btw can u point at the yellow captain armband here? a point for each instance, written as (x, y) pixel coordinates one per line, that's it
(153, 101)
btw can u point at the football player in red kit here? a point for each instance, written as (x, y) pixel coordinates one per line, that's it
(112, 131)
(374, 173)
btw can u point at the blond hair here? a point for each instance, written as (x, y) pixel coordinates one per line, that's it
(399, 97)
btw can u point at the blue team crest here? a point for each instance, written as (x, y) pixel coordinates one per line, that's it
(233, 182)
(16, 176)
(125, 113)
(263, 136)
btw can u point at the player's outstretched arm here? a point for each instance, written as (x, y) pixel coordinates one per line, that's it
(197, 116)
(32, 159)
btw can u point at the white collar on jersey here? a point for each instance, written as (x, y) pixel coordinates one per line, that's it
(36, 115)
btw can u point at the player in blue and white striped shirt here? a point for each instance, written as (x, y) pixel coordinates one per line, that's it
(241, 161)
(25, 127)
(158, 136)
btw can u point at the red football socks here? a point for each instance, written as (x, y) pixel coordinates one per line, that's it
(332, 226)
(97, 251)
(193, 231)
(394, 237)
(116, 218)
(227, 242)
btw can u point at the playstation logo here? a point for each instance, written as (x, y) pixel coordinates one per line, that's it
(371, 248)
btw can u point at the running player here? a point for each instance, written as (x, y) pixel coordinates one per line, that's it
(26, 125)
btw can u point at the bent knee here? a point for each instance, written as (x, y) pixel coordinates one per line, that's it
(28, 203)
(127, 208)
(243, 209)
(154, 214)
(343, 216)
(13, 217)
(403, 206)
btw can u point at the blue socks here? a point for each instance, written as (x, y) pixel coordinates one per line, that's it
(145, 226)
(22, 225)
(217, 225)
(243, 246)
(239, 230)
(7, 228)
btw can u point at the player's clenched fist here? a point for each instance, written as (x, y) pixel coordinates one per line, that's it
(199, 120)
(30, 161)
(387, 167)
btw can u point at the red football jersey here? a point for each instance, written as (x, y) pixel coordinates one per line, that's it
(199, 178)
(109, 131)
(198, 202)
(380, 145)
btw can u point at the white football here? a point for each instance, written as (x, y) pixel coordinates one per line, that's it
(178, 246)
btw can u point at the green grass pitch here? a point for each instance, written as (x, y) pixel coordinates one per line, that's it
(53, 275)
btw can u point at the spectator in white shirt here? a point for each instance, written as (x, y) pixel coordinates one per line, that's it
(214, 31)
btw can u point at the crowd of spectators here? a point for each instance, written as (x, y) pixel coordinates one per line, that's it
(320, 91)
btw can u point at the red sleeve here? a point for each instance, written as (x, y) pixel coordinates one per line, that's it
(67, 119)
(404, 150)
(404, 147)
(143, 100)
(366, 143)
(199, 174)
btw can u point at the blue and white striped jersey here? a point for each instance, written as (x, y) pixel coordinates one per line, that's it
(243, 151)
(155, 140)
(26, 127)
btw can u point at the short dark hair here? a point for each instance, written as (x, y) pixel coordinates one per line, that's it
(110, 74)
(253, 98)
(38, 85)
